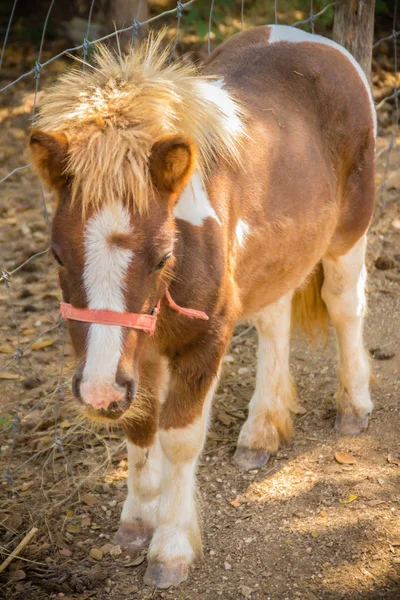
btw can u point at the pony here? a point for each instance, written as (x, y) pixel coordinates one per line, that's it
(189, 200)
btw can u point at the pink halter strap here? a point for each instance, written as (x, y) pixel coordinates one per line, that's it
(143, 322)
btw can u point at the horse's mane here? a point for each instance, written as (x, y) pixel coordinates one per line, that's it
(114, 111)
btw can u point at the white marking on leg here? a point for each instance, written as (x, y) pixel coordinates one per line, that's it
(194, 204)
(144, 477)
(242, 229)
(285, 33)
(343, 292)
(177, 536)
(269, 409)
(104, 277)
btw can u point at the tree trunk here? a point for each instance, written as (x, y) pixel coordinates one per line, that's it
(124, 13)
(354, 29)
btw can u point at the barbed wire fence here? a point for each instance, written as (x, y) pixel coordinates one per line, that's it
(11, 371)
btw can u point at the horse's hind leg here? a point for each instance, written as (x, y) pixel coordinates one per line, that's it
(269, 420)
(344, 294)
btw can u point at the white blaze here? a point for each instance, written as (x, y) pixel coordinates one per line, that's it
(104, 275)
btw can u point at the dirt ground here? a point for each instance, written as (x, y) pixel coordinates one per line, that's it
(304, 526)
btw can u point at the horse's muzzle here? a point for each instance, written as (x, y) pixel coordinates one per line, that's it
(102, 399)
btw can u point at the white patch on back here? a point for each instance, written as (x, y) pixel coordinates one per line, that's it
(285, 33)
(104, 276)
(194, 204)
(216, 93)
(242, 229)
(219, 83)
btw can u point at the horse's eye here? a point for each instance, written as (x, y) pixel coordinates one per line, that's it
(56, 258)
(163, 262)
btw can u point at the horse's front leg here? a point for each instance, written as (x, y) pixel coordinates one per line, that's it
(139, 514)
(183, 422)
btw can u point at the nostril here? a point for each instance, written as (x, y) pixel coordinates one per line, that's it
(130, 390)
(114, 407)
(76, 386)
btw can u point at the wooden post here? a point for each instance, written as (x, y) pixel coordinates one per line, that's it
(354, 29)
(123, 13)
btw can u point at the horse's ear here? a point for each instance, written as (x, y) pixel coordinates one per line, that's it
(49, 156)
(171, 164)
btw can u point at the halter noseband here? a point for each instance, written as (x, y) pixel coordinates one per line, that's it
(140, 321)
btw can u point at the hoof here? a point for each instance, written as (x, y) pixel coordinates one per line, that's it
(350, 424)
(250, 459)
(163, 575)
(133, 536)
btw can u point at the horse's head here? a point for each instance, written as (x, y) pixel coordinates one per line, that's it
(112, 257)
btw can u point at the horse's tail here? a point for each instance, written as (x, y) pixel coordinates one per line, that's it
(309, 311)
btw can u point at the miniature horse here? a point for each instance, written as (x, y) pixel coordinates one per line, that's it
(190, 201)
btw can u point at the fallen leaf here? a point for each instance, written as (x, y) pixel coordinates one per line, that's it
(17, 575)
(86, 522)
(25, 486)
(131, 589)
(28, 331)
(115, 550)
(376, 502)
(14, 521)
(90, 499)
(95, 526)
(7, 375)
(71, 528)
(224, 419)
(44, 343)
(96, 553)
(245, 591)
(392, 461)
(349, 499)
(235, 503)
(136, 562)
(69, 513)
(345, 459)
(106, 548)
(314, 534)
(7, 349)
(65, 552)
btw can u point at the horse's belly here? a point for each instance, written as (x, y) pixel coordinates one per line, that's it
(270, 266)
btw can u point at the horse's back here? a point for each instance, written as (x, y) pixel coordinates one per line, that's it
(312, 120)
(306, 186)
(300, 70)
